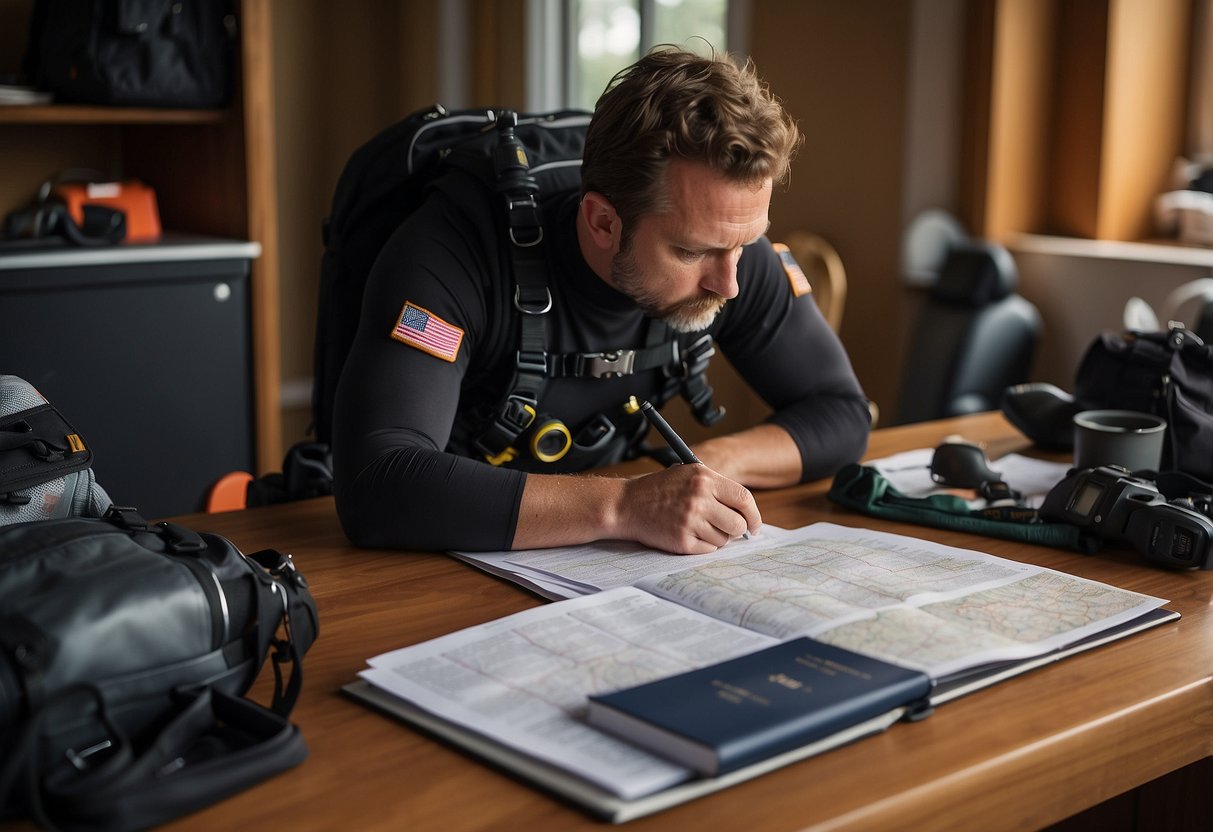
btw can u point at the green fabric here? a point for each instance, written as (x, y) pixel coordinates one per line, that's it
(863, 489)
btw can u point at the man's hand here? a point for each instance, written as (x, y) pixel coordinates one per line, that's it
(686, 509)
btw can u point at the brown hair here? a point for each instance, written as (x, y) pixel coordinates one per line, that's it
(674, 103)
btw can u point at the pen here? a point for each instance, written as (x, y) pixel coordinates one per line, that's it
(684, 452)
(680, 448)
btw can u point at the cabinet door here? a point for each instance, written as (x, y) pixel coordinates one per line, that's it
(149, 362)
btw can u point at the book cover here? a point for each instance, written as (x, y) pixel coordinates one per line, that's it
(720, 718)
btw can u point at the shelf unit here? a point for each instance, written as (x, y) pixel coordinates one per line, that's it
(81, 114)
(1075, 115)
(214, 172)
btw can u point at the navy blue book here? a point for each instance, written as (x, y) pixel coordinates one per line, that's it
(760, 705)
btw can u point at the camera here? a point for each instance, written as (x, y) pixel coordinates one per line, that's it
(1115, 506)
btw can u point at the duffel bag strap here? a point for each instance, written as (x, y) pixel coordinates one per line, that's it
(299, 620)
(214, 746)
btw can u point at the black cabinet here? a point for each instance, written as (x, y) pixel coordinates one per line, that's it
(146, 351)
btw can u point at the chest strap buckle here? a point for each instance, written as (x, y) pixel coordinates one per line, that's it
(606, 364)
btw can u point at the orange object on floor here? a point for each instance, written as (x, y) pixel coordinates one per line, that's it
(229, 493)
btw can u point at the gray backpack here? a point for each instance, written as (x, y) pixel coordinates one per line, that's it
(45, 467)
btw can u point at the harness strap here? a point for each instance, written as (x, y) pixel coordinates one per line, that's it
(532, 297)
(685, 366)
(300, 624)
(694, 381)
(612, 363)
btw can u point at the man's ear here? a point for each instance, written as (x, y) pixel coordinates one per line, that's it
(600, 219)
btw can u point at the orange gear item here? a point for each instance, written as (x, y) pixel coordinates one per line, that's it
(130, 196)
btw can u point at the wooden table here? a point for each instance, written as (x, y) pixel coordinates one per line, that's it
(1022, 754)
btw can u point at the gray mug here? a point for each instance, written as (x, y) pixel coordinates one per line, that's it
(1126, 438)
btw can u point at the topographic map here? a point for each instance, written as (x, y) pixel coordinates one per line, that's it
(929, 606)
(523, 680)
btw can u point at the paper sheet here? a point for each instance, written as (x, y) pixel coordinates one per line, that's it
(910, 473)
(524, 679)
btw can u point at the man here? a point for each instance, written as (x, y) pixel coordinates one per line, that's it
(680, 160)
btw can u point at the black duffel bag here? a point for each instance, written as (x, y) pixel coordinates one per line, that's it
(125, 652)
(134, 53)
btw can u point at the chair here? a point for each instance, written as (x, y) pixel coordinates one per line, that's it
(974, 337)
(823, 268)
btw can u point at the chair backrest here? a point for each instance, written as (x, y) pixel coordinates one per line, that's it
(823, 268)
(974, 337)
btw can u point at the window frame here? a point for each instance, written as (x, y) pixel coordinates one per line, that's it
(551, 39)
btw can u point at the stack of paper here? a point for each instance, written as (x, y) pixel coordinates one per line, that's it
(516, 689)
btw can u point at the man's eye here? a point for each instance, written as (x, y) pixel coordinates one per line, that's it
(689, 256)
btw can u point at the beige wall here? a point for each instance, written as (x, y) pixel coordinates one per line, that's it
(342, 72)
(840, 69)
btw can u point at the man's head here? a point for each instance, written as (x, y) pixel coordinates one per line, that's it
(673, 104)
(679, 164)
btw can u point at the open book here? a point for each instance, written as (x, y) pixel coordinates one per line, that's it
(515, 690)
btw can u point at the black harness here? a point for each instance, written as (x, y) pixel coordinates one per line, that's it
(683, 358)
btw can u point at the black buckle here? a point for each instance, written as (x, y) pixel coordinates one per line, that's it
(532, 305)
(526, 229)
(530, 361)
(280, 566)
(612, 364)
(179, 538)
(126, 517)
(517, 414)
(697, 356)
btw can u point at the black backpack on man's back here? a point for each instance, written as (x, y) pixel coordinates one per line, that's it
(389, 177)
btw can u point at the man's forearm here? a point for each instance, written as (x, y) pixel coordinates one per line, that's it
(686, 509)
(764, 456)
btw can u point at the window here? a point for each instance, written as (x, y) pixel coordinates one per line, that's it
(581, 44)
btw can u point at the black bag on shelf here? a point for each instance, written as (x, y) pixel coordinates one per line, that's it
(125, 651)
(135, 53)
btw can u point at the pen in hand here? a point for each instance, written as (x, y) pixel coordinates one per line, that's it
(680, 448)
(683, 451)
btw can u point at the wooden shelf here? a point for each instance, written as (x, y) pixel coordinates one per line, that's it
(213, 170)
(84, 114)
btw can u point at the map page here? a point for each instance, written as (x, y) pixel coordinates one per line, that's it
(570, 571)
(912, 602)
(524, 679)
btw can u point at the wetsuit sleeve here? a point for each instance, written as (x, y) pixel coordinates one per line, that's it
(395, 484)
(784, 349)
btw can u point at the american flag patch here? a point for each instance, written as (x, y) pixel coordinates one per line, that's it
(800, 283)
(427, 332)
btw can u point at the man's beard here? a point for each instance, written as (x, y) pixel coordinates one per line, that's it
(693, 315)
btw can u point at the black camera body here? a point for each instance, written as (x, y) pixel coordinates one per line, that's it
(1116, 506)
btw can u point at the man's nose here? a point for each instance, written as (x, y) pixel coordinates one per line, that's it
(720, 278)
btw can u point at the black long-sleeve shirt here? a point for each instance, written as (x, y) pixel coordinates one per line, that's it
(406, 472)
